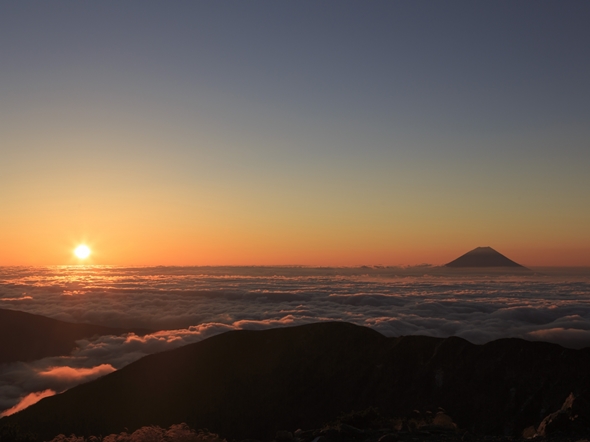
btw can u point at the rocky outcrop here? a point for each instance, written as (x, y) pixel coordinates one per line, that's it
(573, 418)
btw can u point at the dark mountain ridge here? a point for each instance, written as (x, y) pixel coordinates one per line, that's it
(483, 257)
(26, 337)
(252, 383)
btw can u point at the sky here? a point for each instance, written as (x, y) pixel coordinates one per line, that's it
(331, 133)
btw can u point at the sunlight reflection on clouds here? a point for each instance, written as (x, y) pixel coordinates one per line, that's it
(190, 304)
(392, 300)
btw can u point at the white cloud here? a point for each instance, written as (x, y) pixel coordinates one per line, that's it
(190, 304)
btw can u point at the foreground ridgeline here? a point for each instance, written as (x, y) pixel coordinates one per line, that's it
(253, 384)
(483, 257)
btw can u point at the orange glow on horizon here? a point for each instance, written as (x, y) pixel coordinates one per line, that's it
(185, 240)
(261, 248)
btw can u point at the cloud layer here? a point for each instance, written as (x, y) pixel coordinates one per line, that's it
(190, 304)
(27, 401)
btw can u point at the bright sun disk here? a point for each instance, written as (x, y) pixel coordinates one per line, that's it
(82, 251)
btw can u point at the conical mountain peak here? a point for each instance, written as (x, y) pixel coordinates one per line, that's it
(483, 257)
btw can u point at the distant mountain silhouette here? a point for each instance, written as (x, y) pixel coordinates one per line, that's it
(483, 257)
(249, 384)
(27, 337)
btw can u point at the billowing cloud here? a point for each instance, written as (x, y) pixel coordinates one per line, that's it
(76, 375)
(22, 298)
(574, 337)
(122, 350)
(191, 304)
(28, 400)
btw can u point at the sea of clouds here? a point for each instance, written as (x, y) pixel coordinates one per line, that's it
(183, 305)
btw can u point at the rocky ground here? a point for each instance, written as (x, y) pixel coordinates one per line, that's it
(369, 426)
(345, 433)
(340, 433)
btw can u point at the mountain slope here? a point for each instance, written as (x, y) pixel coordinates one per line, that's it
(252, 383)
(27, 337)
(483, 257)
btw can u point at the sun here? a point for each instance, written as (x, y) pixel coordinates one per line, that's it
(82, 251)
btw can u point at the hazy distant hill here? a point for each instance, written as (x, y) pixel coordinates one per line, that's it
(27, 337)
(483, 257)
(252, 383)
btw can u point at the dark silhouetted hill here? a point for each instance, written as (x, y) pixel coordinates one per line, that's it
(27, 337)
(483, 257)
(249, 384)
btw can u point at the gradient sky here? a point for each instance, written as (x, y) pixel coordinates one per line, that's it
(294, 132)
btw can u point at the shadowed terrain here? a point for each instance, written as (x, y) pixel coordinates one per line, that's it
(483, 257)
(252, 383)
(26, 337)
